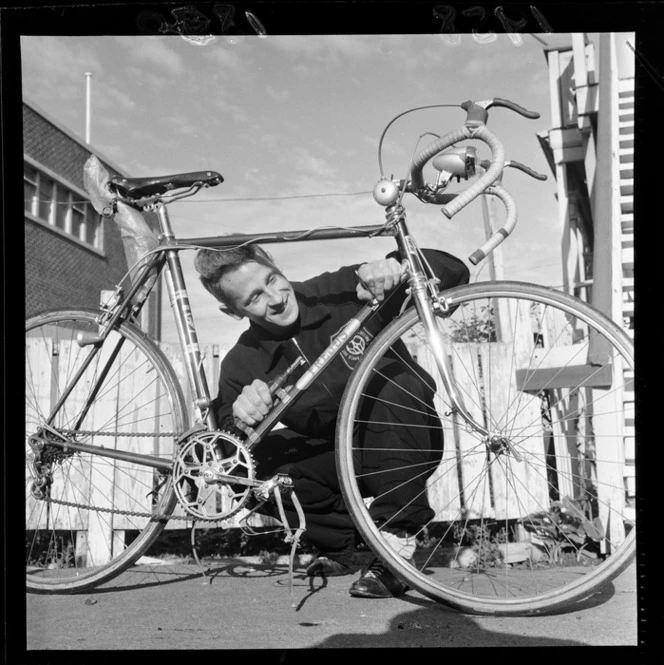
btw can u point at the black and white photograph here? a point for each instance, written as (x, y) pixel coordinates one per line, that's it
(329, 334)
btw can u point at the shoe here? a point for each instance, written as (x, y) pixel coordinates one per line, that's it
(325, 567)
(402, 543)
(378, 582)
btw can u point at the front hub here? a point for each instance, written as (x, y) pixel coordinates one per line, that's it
(500, 445)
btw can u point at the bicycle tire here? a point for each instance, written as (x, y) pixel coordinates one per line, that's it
(98, 514)
(565, 561)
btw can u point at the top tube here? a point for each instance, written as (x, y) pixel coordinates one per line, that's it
(324, 233)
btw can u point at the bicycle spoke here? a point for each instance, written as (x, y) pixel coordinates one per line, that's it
(489, 494)
(95, 513)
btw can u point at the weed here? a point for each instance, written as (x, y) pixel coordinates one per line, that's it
(268, 558)
(483, 542)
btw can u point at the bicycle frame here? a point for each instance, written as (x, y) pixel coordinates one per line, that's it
(422, 290)
(533, 397)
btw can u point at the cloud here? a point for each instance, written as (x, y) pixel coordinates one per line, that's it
(278, 96)
(307, 162)
(45, 56)
(229, 58)
(156, 51)
(52, 69)
(327, 49)
(500, 57)
(114, 97)
(221, 103)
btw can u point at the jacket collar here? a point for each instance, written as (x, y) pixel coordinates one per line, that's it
(312, 313)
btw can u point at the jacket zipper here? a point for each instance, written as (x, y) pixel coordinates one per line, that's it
(300, 351)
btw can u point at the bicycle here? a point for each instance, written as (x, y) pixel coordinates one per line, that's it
(531, 513)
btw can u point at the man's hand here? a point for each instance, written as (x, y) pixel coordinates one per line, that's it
(379, 277)
(253, 403)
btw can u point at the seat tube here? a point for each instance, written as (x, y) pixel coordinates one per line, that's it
(179, 300)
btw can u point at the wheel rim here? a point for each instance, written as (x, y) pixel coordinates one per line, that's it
(479, 493)
(94, 516)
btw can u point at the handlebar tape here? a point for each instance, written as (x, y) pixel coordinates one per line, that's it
(416, 178)
(502, 232)
(467, 195)
(492, 173)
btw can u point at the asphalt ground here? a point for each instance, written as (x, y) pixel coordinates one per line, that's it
(244, 604)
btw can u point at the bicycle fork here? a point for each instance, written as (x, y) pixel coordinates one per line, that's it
(428, 306)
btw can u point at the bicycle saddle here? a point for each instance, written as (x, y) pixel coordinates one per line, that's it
(136, 188)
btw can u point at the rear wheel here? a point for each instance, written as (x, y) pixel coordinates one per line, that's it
(535, 515)
(88, 516)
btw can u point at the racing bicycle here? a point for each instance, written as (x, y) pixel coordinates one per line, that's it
(531, 512)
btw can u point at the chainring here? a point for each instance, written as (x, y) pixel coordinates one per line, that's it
(202, 458)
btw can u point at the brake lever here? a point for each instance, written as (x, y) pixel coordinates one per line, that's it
(477, 113)
(506, 103)
(526, 169)
(485, 163)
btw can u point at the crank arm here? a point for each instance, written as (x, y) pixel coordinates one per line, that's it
(222, 479)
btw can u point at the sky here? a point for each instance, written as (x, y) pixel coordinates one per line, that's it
(293, 125)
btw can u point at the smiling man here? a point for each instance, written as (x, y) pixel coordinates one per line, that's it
(291, 320)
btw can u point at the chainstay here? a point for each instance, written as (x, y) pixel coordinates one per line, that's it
(130, 513)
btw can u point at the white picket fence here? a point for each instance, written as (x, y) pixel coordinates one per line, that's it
(490, 496)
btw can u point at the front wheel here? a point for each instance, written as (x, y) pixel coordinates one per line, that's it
(531, 509)
(90, 516)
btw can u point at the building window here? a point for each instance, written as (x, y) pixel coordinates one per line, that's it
(30, 189)
(57, 205)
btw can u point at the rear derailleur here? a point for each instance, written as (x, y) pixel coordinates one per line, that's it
(48, 447)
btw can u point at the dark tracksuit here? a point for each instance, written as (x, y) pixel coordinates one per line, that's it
(305, 447)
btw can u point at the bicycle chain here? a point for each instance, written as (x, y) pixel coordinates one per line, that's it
(129, 513)
(84, 432)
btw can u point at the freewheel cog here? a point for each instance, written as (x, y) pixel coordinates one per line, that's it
(203, 473)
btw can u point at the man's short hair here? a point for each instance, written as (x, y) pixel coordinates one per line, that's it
(213, 264)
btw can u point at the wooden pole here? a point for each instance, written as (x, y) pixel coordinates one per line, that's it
(88, 76)
(607, 294)
(494, 261)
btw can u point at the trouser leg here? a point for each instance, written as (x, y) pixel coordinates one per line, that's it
(402, 444)
(311, 465)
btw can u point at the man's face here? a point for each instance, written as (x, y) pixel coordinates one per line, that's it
(262, 294)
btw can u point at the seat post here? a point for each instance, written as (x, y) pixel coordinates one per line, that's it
(164, 220)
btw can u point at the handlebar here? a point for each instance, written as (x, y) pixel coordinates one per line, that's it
(475, 128)
(465, 197)
(503, 231)
(518, 165)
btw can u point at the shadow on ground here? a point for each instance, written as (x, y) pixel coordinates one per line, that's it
(141, 577)
(434, 625)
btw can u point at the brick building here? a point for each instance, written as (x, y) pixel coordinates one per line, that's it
(71, 253)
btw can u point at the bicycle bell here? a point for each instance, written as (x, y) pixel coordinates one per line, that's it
(386, 192)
